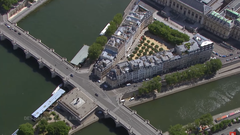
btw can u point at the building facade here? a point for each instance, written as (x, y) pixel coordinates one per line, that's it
(225, 24)
(118, 45)
(197, 50)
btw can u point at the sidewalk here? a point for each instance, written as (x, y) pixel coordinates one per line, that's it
(231, 70)
(25, 11)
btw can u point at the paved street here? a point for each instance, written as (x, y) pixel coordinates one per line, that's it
(228, 129)
(79, 80)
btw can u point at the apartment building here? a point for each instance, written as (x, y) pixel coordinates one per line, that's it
(118, 45)
(196, 50)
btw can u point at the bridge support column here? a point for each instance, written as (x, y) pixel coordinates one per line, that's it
(130, 131)
(2, 37)
(40, 63)
(53, 73)
(117, 122)
(15, 45)
(65, 81)
(106, 115)
(28, 55)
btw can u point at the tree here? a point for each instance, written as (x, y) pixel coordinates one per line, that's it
(94, 51)
(25, 129)
(58, 128)
(152, 43)
(148, 41)
(111, 29)
(145, 44)
(160, 49)
(139, 45)
(143, 47)
(156, 46)
(118, 19)
(214, 129)
(176, 130)
(7, 4)
(206, 119)
(102, 40)
(136, 48)
(42, 125)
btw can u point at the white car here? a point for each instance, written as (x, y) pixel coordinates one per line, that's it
(99, 81)
(132, 98)
(129, 84)
(122, 101)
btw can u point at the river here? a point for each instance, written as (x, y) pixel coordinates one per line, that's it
(67, 25)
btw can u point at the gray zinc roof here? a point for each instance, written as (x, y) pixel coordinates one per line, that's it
(201, 7)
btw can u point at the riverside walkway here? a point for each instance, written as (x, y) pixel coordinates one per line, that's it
(59, 66)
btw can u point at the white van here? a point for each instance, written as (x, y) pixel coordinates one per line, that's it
(129, 84)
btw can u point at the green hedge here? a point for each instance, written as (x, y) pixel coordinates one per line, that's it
(173, 36)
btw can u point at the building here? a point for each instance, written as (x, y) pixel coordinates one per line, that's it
(220, 17)
(196, 50)
(225, 24)
(194, 10)
(77, 104)
(81, 56)
(118, 45)
(47, 104)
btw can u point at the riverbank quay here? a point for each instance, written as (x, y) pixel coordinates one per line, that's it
(25, 11)
(222, 73)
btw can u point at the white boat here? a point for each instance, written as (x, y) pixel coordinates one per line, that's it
(15, 133)
(58, 87)
(104, 30)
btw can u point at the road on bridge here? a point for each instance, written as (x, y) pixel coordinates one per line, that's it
(79, 80)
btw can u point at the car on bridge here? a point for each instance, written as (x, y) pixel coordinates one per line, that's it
(96, 94)
(19, 33)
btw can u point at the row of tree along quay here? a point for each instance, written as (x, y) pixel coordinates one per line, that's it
(46, 126)
(202, 126)
(96, 48)
(194, 73)
(6, 5)
(167, 33)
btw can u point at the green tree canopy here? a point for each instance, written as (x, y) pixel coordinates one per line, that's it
(6, 4)
(151, 85)
(118, 19)
(102, 40)
(172, 36)
(25, 129)
(111, 29)
(177, 130)
(58, 128)
(42, 125)
(94, 51)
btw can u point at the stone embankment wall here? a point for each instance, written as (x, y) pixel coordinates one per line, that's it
(17, 8)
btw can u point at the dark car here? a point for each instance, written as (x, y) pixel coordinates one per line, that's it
(71, 75)
(231, 54)
(96, 94)
(19, 33)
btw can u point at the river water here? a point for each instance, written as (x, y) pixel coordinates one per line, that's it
(67, 25)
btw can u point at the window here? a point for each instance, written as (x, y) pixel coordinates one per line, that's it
(192, 13)
(177, 5)
(173, 3)
(180, 7)
(188, 11)
(196, 15)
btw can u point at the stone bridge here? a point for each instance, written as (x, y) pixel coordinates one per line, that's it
(59, 66)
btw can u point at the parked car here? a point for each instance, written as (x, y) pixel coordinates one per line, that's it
(129, 84)
(132, 98)
(224, 56)
(96, 94)
(235, 57)
(99, 81)
(122, 101)
(227, 59)
(231, 54)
